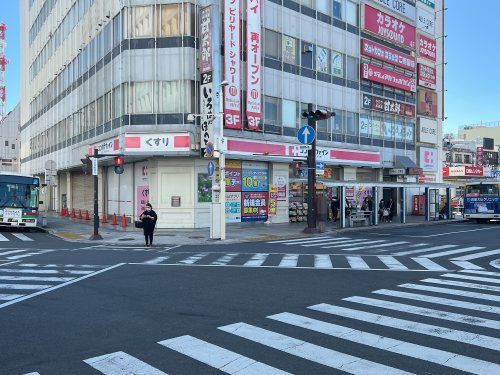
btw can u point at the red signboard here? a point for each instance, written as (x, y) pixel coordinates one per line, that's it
(427, 103)
(389, 55)
(426, 76)
(427, 47)
(254, 206)
(474, 171)
(376, 103)
(254, 68)
(389, 27)
(386, 77)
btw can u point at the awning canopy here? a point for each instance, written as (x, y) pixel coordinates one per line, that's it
(404, 162)
(388, 184)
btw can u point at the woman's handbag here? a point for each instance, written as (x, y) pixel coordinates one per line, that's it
(386, 212)
(138, 224)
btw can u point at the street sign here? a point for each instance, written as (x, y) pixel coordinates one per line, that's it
(211, 168)
(306, 134)
(320, 165)
(94, 167)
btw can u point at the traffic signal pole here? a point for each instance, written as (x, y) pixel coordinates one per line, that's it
(311, 178)
(96, 235)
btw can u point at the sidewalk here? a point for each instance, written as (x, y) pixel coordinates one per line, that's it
(76, 230)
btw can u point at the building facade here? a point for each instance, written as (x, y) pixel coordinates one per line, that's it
(10, 127)
(125, 77)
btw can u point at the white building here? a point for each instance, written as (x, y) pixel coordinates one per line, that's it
(122, 76)
(10, 127)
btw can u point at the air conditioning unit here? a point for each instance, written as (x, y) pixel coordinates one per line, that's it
(307, 48)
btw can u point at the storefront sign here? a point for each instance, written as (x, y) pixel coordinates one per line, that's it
(255, 176)
(428, 159)
(281, 182)
(206, 110)
(428, 3)
(376, 103)
(425, 21)
(386, 77)
(465, 171)
(480, 155)
(232, 65)
(142, 199)
(414, 171)
(386, 54)
(233, 175)
(273, 200)
(157, 143)
(399, 6)
(474, 171)
(427, 103)
(388, 27)
(254, 67)
(428, 130)
(426, 47)
(397, 171)
(206, 51)
(254, 205)
(233, 207)
(427, 76)
(111, 146)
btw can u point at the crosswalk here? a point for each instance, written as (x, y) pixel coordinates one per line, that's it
(412, 328)
(13, 236)
(310, 261)
(19, 254)
(21, 280)
(392, 247)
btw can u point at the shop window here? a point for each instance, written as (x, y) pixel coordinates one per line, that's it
(337, 9)
(388, 129)
(410, 132)
(307, 55)
(142, 22)
(351, 127)
(272, 111)
(324, 6)
(142, 97)
(338, 122)
(365, 125)
(337, 64)
(272, 44)
(351, 13)
(289, 113)
(399, 129)
(352, 68)
(289, 49)
(323, 60)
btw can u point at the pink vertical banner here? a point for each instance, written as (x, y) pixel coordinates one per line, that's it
(254, 67)
(142, 198)
(232, 65)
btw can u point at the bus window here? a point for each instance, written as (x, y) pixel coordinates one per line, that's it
(482, 189)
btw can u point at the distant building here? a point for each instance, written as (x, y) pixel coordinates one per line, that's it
(10, 127)
(480, 131)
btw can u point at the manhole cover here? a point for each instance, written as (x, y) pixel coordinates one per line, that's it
(125, 239)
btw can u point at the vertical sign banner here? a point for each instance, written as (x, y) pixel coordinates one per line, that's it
(254, 67)
(273, 200)
(232, 65)
(206, 83)
(426, 47)
(480, 155)
(427, 76)
(142, 198)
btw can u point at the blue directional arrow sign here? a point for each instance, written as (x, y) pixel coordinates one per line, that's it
(211, 168)
(306, 135)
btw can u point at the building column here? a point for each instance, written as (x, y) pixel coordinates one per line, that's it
(427, 205)
(402, 199)
(448, 203)
(69, 202)
(375, 206)
(342, 207)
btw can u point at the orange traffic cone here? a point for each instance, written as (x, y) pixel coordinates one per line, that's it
(114, 220)
(80, 214)
(124, 221)
(104, 218)
(62, 212)
(73, 213)
(87, 215)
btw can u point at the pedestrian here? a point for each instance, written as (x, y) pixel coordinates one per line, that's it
(335, 208)
(364, 206)
(148, 218)
(347, 208)
(370, 203)
(390, 210)
(381, 209)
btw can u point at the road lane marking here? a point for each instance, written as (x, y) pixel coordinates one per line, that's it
(3, 238)
(472, 278)
(466, 265)
(289, 260)
(12, 252)
(218, 357)
(448, 233)
(465, 337)
(9, 297)
(157, 260)
(463, 284)
(479, 255)
(22, 237)
(311, 352)
(35, 278)
(455, 292)
(193, 258)
(440, 357)
(256, 260)
(440, 301)
(497, 274)
(424, 250)
(353, 243)
(225, 259)
(14, 257)
(429, 264)
(23, 287)
(120, 363)
(392, 262)
(375, 246)
(356, 262)
(60, 285)
(322, 261)
(451, 252)
(423, 311)
(299, 239)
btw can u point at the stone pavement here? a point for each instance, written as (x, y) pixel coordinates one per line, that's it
(80, 230)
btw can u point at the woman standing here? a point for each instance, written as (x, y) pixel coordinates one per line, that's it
(148, 219)
(335, 208)
(381, 209)
(390, 209)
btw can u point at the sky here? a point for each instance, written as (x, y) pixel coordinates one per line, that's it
(471, 74)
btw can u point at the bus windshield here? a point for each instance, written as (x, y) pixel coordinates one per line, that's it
(481, 189)
(18, 195)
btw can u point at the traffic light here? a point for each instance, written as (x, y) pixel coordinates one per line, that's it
(86, 165)
(118, 164)
(319, 114)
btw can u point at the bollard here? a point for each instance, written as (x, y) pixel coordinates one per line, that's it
(62, 212)
(114, 220)
(87, 215)
(80, 214)
(124, 221)
(73, 213)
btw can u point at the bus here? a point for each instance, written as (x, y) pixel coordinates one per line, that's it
(482, 200)
(18, 200)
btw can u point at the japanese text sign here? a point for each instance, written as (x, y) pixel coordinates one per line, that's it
(399, 6)
(255, 177)
(425, 21)
(254, 66)
(206, 25)
(386, 54)
(254, 206)
(426, 76)
(387, 77)
(157, 143)
(426, 47)
(233, 175)
(273, 200)
(376, 103)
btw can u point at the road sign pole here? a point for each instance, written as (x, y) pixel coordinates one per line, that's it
(311, 178)
(96, 235)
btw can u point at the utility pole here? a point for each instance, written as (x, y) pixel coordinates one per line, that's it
(95, 172)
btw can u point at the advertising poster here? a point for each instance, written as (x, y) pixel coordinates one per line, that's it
(204, 188)
(254, 206)
(386, 77)
(388, 27)
(255, 177)
(322, 56)
(428, 130)
(427, 103)
(233, 207)
(386, 54)
(428, 159)
(337, 64)
(273, 200)
(426, 47)
(289, 49)
(280, 182)
(254, 67)
(427, 76)
(233, 175)
(142, 198)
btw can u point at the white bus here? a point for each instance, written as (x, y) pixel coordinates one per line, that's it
(482, 200)
(18, 199)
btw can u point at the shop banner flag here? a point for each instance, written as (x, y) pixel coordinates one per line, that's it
(254, 67)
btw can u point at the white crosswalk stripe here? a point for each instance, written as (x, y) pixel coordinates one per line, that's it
(427, 249)
(289, 260)
(122, 363)
(322, 261)
(466, 265)
(311, 352)
(456, 292)
(392, 262)
(22, 237)
(3, 238)
(357, 262)
(9, 297)
(488, 273)
(256, 260)
(429, 264)
(348, 246)
(479, 255)
(194, 258)
(440, 357)
(157, 260)
(473, 278)
(218, 357)
(299, 240)
(225, 259)
(455, 251)
(376, 246)
(17, 236)
(463, 284)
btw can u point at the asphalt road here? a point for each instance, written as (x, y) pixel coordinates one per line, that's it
(317, 305)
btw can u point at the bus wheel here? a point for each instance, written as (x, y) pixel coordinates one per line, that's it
(481, 221)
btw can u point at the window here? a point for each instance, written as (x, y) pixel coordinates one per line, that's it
(142, 97)
(467, 159)
(168, 96)
(289, 113)
(271, 111)
(117, 30)
(307, 55)
(289, 46)
(168, 20)
(324, 6)
(377, 127)
(410, 131)
(142, 21)
(388, 129)
(351, 127)
(352, 68)
(337, 64)
(458, 158)
(307, 3)
(118, 103)
(351, 13)
(272, 44)
(338, 122)
(323, 60)
(365, 125)
(337, 9)
(399, 129)
(6, 143)
(482, 189)
(13, 146)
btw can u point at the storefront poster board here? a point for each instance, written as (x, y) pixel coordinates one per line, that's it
(254, 206)
(255, 177)
(273, 200)
(204, 188)
(233, 207)
(280, 182)
(142, 198)
(233, 175)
